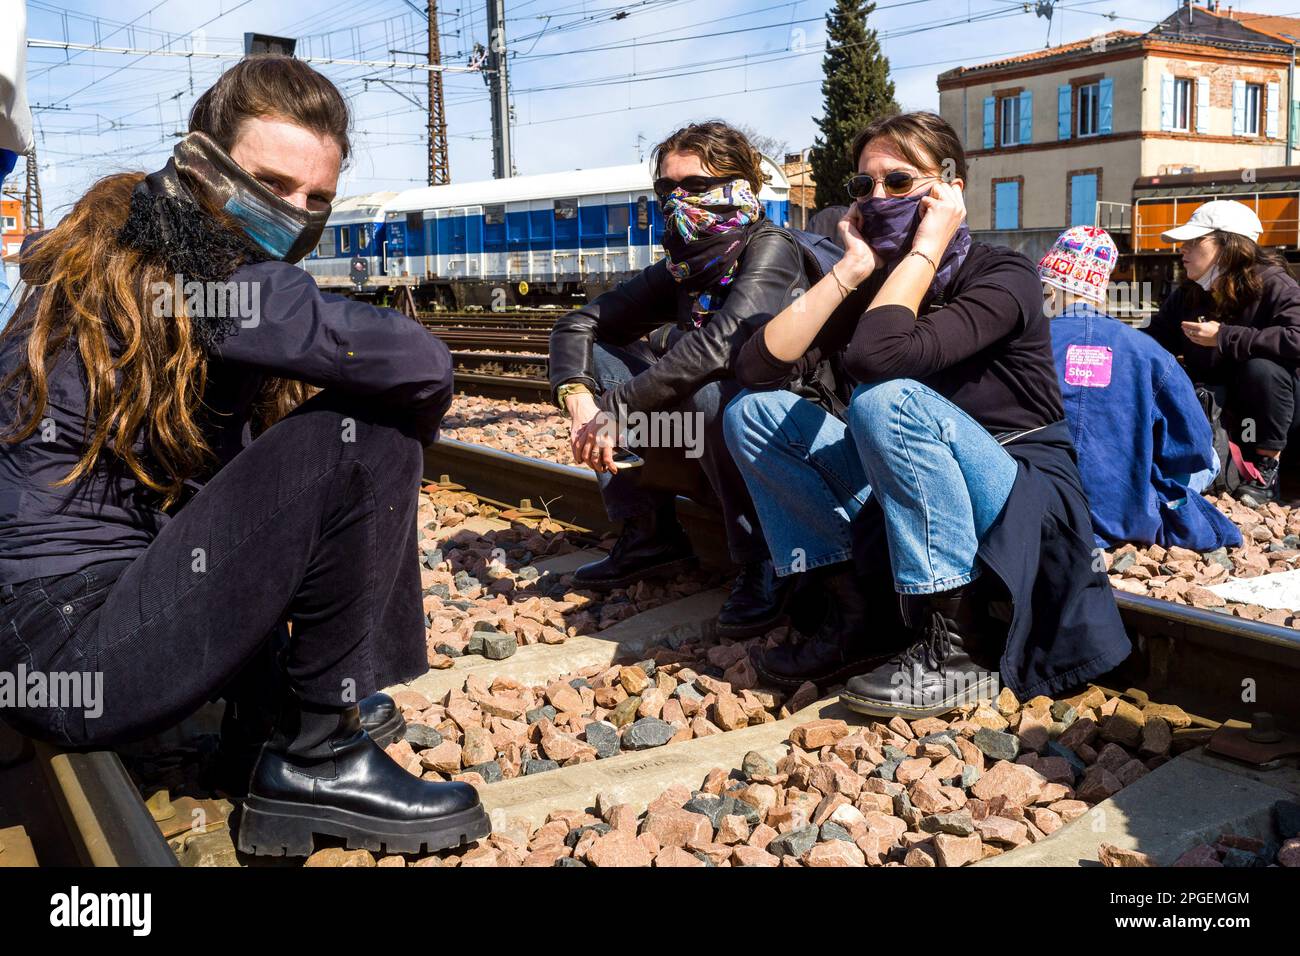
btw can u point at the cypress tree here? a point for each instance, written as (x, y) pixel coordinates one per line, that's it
(857, 89)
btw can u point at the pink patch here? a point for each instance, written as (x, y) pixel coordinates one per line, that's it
(1088, 366)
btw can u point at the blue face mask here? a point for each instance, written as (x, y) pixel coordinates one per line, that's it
(285, 231)
(889, 225)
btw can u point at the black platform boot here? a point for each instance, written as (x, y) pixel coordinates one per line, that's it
(650, 546)
(320, 773)
(858, 631)
(1256, 494)
(757, 601)
(952, 663)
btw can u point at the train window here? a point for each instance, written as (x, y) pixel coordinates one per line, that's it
(363, 236)
(618, 219)
(326, 248)
(642, 213)
(566, 209)
(414, 224)
(345, 240)
(494, 215)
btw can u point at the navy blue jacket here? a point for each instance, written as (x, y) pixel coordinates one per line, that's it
(1144, 444)
(301, 333)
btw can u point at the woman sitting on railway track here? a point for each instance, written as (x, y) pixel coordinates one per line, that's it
(953, 474)
(727, 271)
(151, 540)
(1236, 323)
(1145, 448)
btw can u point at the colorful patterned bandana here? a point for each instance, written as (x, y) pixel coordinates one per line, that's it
(704, 235)
(1080, 261)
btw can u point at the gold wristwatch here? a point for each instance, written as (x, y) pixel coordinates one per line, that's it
(570, 388)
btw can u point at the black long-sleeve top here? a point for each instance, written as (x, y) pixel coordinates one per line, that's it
(300, 333)
(988, 349)
(1268, 328)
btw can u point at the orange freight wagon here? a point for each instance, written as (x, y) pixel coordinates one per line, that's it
(1162, 202)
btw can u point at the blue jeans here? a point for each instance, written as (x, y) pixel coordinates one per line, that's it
(940, 478)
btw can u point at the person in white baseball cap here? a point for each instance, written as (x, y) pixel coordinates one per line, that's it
(1235, 322)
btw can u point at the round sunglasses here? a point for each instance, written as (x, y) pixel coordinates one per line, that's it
(896, 183)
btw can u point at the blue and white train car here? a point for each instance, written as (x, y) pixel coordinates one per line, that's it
(527, 240)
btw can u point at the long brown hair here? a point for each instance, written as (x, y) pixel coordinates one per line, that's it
(83, 283)
(1240, 261)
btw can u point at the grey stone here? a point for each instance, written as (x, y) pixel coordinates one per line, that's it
(1220, 556)
(703, 856)
(490, 771)
(438, 590)
(421, 737)
(545, 712)
(958, 824)
(795, 843)
(539, 766)
(575, 835)
(448, 650)
(578, 683)
(497, 647)
(604, 737)
(1063, 712)
(433, 558)
(486, 627)
(995, 744)
(905, 811)
(715, 808)
(886, 770)
(648, 732)
(894, 753)
(1123, 562)
(833, 831)
(756, 765)
(568, 861)
(1286, 817)
(475, 644)
(1234, 857)
(465, 581)
(969, 776)
(741, 808)
(527, 573)
(648, 666)
(1291, 541)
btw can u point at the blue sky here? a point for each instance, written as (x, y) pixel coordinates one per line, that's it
(586, 85)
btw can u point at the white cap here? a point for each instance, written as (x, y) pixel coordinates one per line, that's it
(1227, 215)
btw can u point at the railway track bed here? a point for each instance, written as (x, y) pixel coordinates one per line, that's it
(619, 730)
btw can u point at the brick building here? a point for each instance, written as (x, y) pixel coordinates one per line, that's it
(1057, 137)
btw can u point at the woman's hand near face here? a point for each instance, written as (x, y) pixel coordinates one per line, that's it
(860, 260)
(942, 213)
(1202, 333)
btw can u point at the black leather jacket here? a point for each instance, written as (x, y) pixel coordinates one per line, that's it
(771, 275)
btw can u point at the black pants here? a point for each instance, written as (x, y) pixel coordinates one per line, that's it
(709, 477)
(314, 522)
(1261, 402)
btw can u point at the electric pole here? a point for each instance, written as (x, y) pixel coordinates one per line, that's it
(33, 210)
(439, 160)
(499, 85)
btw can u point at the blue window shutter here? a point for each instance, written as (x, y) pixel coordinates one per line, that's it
(1202, 104)
(1104, 108)
(990, 110)
(1274, 97)
(1007, 206)
(1238, 107)
(1295, 121)
(1026, 116)
(1083, 199)
(1064, 94)
(1166, 101)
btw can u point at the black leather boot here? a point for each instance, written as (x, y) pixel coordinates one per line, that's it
(952, 663)
(650, 546)
(858, 630)
(1256, 494)
(757, 601)
(320, 773)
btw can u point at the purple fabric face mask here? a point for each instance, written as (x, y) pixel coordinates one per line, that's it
(889, 225)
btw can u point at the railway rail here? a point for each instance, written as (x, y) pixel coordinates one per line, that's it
(82, 807)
